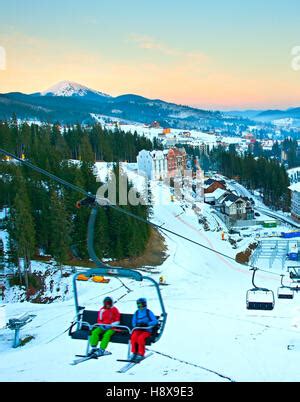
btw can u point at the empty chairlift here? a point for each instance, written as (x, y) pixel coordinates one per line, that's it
(295, 276)
(259, 298)
(285, 292)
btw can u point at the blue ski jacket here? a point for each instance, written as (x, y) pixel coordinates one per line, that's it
(145, 317)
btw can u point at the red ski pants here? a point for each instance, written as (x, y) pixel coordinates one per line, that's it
(138, 341)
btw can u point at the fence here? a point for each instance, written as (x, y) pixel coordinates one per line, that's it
(271, 250)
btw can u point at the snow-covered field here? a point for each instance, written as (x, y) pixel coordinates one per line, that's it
(208, 325)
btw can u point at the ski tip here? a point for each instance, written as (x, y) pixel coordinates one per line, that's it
(83, 359)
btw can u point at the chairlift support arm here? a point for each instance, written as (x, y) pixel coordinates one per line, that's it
(253, 281)
(253, 278)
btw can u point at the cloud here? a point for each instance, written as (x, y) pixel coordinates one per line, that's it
(149, 43)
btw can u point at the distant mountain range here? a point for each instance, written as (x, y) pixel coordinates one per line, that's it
(68, 102)
(267, 115)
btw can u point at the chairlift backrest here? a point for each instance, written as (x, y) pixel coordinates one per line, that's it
(122, 335)
(91, 318)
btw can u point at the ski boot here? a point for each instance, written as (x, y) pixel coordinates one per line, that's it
(100, 352)
(133, 357)
(94, 353)
(138, 358)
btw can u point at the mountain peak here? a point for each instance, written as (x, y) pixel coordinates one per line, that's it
(69, 89)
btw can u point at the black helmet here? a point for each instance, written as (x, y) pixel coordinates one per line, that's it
(142, 301)
(108, 300)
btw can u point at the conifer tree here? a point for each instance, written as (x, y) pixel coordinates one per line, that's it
(22, 229)
(59, 229)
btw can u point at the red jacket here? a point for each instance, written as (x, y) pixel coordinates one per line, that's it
(109, 316)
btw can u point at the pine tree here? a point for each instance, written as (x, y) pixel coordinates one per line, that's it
(60, 229)
(86, 151)
(22, 230)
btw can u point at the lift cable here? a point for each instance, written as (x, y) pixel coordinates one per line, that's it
(107, 203)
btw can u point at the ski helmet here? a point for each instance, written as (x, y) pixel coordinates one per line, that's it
(108, 301)
(142, 301)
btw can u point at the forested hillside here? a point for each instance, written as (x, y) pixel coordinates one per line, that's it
(256, 173)
(43, 215)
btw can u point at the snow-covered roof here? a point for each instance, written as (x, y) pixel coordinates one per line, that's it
(295, 187)
(231, 199)
(228, 203)
(218, 193)
(158, 154)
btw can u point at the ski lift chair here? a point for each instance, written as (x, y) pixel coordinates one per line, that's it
(86, 320)
(295, 276)
(285, 292)
(259, 298)
(295, 285)
(294, 273)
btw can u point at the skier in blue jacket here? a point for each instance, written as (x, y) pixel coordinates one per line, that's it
(143, 318)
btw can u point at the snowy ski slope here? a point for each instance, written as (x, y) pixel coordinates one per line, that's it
(208, 325)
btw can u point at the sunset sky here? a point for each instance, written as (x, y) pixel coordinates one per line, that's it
(213, 54)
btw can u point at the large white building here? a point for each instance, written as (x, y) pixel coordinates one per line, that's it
(153, 164)
(295, 189)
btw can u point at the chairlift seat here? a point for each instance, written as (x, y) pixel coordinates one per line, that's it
(260, 299)
(121, 336)
(285, 293)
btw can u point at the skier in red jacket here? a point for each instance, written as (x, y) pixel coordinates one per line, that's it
(108, 315)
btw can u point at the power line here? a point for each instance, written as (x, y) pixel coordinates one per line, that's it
(124, 211)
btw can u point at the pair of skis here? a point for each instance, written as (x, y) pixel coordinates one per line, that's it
(130, 363)
(86, 358)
